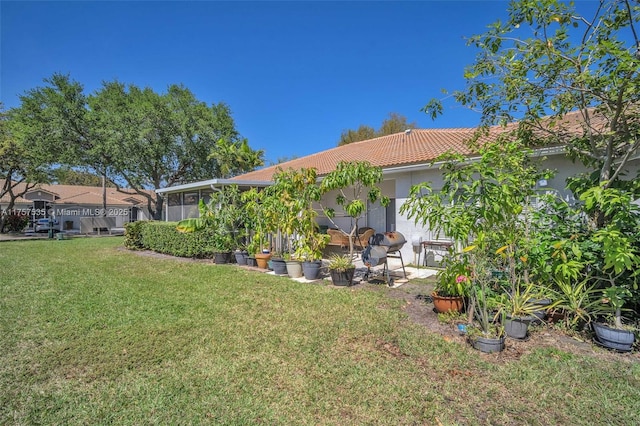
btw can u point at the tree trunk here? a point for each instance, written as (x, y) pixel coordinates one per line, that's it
(104, 194)
(157, 212)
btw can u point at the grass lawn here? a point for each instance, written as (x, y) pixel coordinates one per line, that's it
(93, 334)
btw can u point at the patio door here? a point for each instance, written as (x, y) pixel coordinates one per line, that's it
(380, 218)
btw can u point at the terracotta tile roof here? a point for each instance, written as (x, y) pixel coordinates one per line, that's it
(419, 146)
(85, 195)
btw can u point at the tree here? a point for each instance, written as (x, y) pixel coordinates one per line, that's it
(393, 124)
(235, 157)
(160, 139)
(568, 78)
(571, 79)
(363, 133)
(59, 114)
(355, 182)
(282, 159)
(23, 162)
(134, 137)
(67, 176)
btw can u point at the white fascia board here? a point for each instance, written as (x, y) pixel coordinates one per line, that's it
(539, 152)
(206, 184)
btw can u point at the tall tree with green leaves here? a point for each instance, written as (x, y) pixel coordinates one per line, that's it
(131, 136)
(353, 183)
(569, 78)
(23, 162)
(66, 175)
(235, 157)
(59, 114)
(362, 133)
(160, 139)
(394, 123)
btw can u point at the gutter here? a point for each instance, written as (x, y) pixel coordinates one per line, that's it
(211, 184)
(540, 152)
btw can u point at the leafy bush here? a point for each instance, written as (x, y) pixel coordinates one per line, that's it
(133, 235)
(163, 237)
(17, 222)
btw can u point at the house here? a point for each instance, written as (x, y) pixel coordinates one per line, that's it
(69, 205)
(406, 159)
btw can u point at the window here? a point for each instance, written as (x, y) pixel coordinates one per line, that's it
(174, 199)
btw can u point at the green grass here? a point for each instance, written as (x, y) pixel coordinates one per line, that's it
(92, 334)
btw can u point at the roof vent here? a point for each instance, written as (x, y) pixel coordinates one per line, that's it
(408, 131)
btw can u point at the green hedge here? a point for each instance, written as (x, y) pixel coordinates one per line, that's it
(162, 237)
(133, 235)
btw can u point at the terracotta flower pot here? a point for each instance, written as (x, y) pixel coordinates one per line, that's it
(262, 259)
(447, 303)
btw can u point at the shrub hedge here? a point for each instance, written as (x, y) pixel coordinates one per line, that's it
(162, 237)
(133, 235)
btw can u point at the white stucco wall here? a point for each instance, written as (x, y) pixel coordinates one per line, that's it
(561, 164)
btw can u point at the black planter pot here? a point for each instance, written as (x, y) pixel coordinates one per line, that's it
(279, 266)
(344, 278)
(311, 270)
(221, 258)
(517, 327)
(241, 257)
(613, 338)
(487, 344)
(251, 261)
(540, 314)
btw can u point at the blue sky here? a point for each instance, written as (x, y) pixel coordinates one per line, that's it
(295, 74)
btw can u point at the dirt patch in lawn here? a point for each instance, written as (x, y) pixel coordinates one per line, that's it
(419, 309)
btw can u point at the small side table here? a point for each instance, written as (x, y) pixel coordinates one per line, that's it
(434, 245)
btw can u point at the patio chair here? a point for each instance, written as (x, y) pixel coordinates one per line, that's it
(362, 239)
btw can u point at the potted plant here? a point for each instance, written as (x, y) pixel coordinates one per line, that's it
(520, 308)
(574, 302)
(613, 334)
(223, 244)
(452, 284)
(310, 249)
(279, 264)
(285, 203)
(294, 266)
(483, 205)
(488, 335)
(241, 256)
(341, 269)
(598, 249)
(262, 258)
(310, 241)
(255, 214)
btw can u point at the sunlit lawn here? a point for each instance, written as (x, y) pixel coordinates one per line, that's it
(93, 334)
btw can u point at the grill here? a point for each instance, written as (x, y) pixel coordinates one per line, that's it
(381, 247)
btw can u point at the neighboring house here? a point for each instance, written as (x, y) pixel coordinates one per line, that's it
(69, 204)
(405, 158)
